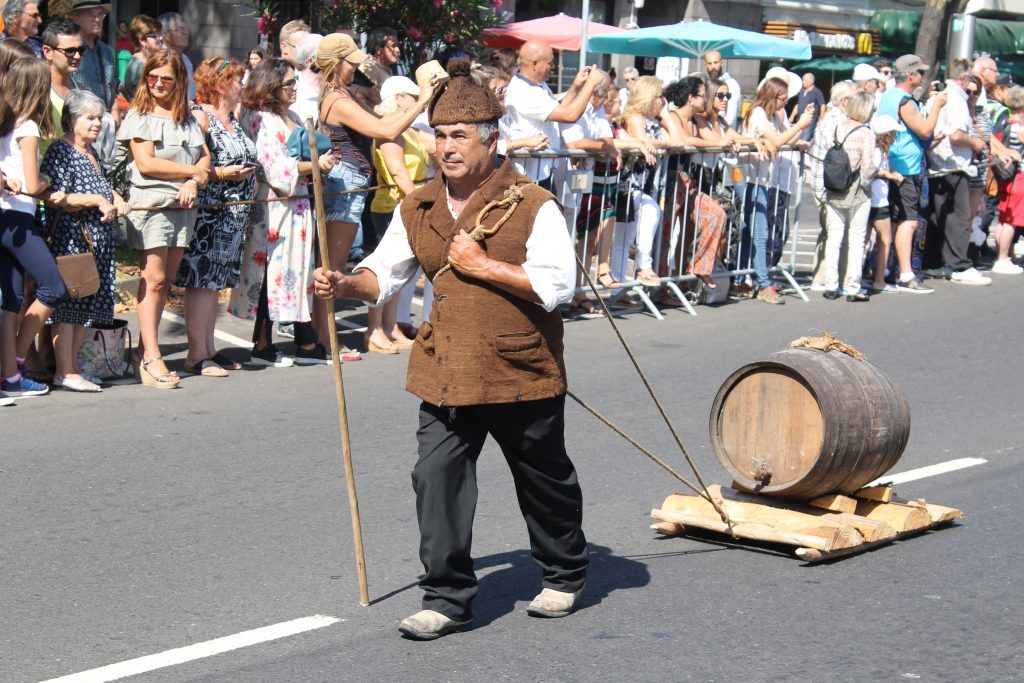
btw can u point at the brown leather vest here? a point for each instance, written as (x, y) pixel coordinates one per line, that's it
(482, 345)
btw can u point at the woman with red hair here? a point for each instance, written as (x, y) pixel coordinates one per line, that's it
(169, 164)
(213, 258)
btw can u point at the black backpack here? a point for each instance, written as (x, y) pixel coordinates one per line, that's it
(836, 170)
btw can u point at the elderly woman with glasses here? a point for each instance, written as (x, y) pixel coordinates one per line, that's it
(169, 164)
(277, 268)
(87, 212)
(147, 39)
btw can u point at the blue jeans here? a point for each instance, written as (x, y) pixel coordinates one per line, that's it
(23, 250)
(765, 230)
(347, 208)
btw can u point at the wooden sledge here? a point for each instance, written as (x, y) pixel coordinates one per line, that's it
(821, 529)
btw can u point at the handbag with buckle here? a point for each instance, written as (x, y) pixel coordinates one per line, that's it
(81, 278)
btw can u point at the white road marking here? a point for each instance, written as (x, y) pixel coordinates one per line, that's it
(223, 336)
(133, 667)
(929, 471)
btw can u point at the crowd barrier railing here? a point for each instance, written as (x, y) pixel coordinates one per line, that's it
(695, 217)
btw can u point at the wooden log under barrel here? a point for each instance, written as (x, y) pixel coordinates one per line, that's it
(804, 422)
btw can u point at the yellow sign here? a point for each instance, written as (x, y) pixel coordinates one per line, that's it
(865, 44)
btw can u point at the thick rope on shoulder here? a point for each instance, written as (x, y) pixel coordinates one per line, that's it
(512, 198)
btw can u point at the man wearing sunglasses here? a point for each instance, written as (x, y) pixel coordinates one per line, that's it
(62, 49)
(21, 22)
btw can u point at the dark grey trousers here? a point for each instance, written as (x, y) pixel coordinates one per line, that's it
(531, 436)
(949, 222)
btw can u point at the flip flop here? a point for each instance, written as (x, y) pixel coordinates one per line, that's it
(207, 368)
(221, 359)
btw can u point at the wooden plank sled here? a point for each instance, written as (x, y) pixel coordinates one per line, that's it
(822, 529)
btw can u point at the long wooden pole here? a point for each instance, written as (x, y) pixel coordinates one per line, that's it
(339, 382)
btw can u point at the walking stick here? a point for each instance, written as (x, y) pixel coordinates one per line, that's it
(339, 383)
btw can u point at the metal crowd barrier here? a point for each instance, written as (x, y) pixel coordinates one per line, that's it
(692, 214)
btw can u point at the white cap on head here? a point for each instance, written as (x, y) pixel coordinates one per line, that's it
(885, 123)
(866, 72)
(397, 85)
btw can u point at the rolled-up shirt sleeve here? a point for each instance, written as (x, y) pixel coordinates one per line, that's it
(393, 261)
(550, 260)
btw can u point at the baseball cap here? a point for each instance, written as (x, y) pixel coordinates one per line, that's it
(1004, 79)
(908, 64)
(884, 123)
(866, 72)
(397, 85)
(338, 46)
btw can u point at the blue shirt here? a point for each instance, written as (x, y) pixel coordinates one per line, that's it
(97, 72)
(33, 43)
(907, 152)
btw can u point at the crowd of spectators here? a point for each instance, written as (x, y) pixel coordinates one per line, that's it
(169, 154)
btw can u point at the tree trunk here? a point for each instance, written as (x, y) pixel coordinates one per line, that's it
(931, 36)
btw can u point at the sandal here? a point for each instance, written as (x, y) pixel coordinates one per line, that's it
(348, 354)
(607, 280)
(221, 359)
(166, 380)
(207, 367)
(585, 309)
(648, 278)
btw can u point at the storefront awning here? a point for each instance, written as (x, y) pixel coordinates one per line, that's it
(898, 29)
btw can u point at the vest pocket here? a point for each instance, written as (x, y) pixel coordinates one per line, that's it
(425, 338)
(517, 342)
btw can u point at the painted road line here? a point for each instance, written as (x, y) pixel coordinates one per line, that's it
(223, 336)
(133, 667)
(929, 471)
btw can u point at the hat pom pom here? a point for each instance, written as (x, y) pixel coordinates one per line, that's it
(458, 66)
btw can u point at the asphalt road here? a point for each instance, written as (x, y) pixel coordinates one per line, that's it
(138, 521)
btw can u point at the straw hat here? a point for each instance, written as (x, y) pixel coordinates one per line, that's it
(793, 82)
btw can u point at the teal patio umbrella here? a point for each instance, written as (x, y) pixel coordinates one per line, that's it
(825, 65)
(694, 39)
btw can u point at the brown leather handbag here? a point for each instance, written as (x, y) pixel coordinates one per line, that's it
(81, 278)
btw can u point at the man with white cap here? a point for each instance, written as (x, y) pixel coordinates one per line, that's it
(866, 77)
(906, 157)
(307, 85)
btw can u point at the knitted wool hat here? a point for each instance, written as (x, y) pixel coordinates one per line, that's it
(461, 100)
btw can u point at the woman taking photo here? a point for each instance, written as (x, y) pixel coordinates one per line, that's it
(277, 269)
(213, 258)
(766, 119)
(170, 163)
(351, 130)
(25, 117)
(401, 164)
(86, 209)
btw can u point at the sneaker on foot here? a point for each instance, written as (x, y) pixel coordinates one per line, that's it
(23, 387)
(428, 625)
(770, 295)
(915, 286)
(971, 276)
(286, 330)
(817, 287)
(270, 357)
(552, 604)
(315, 356)
(1006, 267)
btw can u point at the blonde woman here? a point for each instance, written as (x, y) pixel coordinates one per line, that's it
(401, 163)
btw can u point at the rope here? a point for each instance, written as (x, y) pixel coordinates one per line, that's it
(513, 196)
(657, 403)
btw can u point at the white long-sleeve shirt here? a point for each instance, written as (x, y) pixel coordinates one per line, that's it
(550, 260)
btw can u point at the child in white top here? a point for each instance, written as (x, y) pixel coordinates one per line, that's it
(885, 128)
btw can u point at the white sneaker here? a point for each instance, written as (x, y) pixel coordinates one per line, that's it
(971, 276)
(1006, 267)
(817, 287)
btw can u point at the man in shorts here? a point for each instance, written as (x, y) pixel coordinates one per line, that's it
(906, 157)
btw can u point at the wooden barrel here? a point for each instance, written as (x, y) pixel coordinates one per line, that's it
(802, 423)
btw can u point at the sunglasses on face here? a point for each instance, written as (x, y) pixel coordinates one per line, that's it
(71, 52)
(163, 80)
(290, 83)
(500, 92)
(972, 92)
(723, 95)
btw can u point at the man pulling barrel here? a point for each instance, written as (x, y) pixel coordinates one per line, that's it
(489, 361)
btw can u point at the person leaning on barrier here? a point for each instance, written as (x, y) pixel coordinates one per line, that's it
(85, 204)
(212, 261)
(490, 361)
(766, 202)
(846, 212)
(716, 70)
(824, 134)
(169, 163)
(497, 81)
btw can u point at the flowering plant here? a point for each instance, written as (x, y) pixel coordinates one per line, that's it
(423, 27)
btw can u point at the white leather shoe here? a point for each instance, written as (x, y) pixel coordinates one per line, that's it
(552, 604)
(429, 624)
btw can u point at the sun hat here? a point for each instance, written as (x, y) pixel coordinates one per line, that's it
(884, 123)
(794, 84)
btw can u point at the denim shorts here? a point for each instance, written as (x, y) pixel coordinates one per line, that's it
(347, 208)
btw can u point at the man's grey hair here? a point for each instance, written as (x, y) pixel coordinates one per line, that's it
(12, 7)
(168, 20)
(79, 103)
(1014, 99)
(486, 128)
(305, 49)
(840, 91)
(630, 71)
